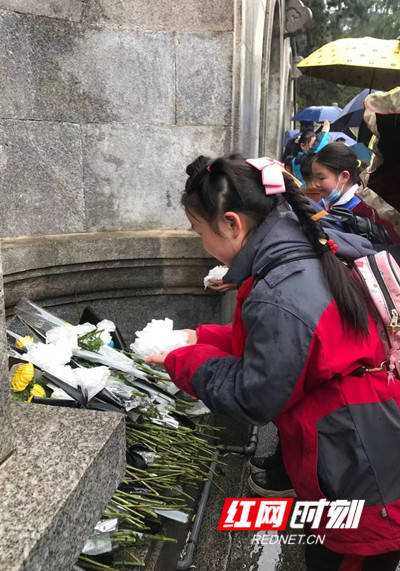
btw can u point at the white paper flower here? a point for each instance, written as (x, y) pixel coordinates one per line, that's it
(106, 327)
(59, 394)
(158, 337)
(46, 356)
(66, 336)
(216, 273)
(92, 379)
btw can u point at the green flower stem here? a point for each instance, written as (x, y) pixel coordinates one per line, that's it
(96, 564)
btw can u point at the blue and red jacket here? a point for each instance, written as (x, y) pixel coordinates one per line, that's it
(287, 359)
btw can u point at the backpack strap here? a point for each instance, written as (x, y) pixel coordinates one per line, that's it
(361, 225)
(286, 259)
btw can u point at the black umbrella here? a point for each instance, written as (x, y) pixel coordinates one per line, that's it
(352, 114)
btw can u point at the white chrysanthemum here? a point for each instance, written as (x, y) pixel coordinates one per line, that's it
(106, 327)
(158, 337)
(66, 336)
(216, 273)
(46, 356)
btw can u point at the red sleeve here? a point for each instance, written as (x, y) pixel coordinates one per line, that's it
(182, 363)
(217, 335)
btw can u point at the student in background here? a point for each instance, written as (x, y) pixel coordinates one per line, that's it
(309, 143)
(336, 176)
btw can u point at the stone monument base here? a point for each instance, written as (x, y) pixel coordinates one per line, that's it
(55, 485)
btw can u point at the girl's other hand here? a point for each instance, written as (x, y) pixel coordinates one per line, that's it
(192, 339)
(157, 360)
(219, 285)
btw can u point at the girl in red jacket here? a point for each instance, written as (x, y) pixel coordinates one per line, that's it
(302, 352)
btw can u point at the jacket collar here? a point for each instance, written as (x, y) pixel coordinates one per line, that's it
(278, 235)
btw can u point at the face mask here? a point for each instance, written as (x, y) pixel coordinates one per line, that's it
(335, 194)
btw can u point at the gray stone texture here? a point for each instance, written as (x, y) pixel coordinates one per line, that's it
(129, 277)
(134, 175)
(66, 9)
(204, 78)
(192, 15)
(68, 464)
(41, 178)
(61, 71)
(148, 102)
(27, 253)
(6, 424)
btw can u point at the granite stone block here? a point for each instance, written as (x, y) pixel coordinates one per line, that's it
(7, 442)
(16, 77)
(67, 9)
(55, 488)
(67, 251)
(41, 178)
(192, 15)
(204, 78)
(6, 424)
(134, 176)
(57, 70)
(123, 75)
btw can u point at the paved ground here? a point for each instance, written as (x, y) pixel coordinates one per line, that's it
(233, 551)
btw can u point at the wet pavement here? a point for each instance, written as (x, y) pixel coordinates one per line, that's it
(234, 551)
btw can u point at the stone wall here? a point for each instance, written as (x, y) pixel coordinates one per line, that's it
(103, 105)
(128, 276)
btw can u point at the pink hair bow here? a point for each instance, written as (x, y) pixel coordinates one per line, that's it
(271, 173)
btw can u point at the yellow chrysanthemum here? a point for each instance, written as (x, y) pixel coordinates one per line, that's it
(36, 391)
(22, 377)
(27, 340)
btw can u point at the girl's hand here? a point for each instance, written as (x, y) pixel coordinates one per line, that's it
(219, 285)
(326, 126)
(157, 360)
(192, 339)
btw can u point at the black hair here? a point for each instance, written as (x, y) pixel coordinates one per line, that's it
(229, 183)
(288, 163)
(338, 158)
(306, 137)
(306, 162)
(306, 125)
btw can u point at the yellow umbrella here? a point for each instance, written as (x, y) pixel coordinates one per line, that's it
(363, 62)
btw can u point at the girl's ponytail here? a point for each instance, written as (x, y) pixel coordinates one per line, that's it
(345, 288)
(231, 184)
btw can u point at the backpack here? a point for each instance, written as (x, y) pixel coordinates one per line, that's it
(380, 275)
(361, 225)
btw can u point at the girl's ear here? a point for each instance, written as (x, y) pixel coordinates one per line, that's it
(344, 177)
(234, 223)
